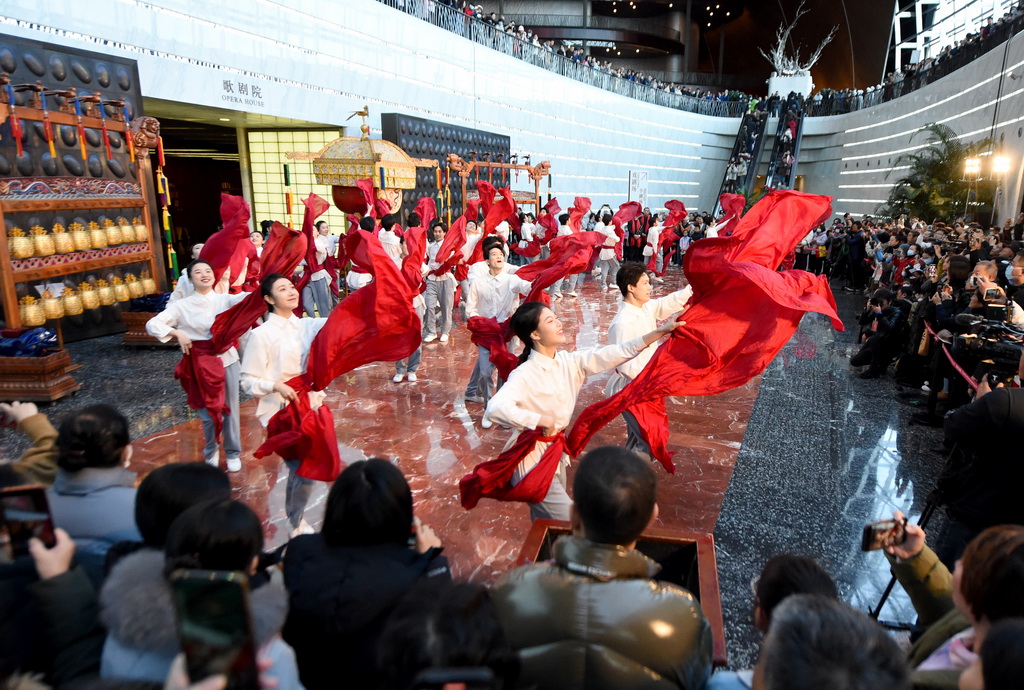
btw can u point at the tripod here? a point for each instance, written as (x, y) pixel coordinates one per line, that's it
(934, 501)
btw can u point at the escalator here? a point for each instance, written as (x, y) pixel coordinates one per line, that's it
(741, 170)
(786, 151)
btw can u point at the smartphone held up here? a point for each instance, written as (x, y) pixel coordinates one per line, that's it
(24, 514)
(883, 534)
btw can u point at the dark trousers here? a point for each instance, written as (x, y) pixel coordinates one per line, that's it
(878, 351)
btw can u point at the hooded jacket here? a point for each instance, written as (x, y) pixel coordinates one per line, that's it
(340, 598)
(595, 618)
(137, 608)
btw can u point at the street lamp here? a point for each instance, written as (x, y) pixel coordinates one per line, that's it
(972, 166)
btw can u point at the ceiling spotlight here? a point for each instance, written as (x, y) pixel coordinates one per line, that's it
(717, 6)
(726, 14)
(638, 50)
(709, 24)
(224, 119)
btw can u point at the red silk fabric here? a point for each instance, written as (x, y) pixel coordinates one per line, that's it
(487, 193)
(569, 254)
(315, 207)
(299, 431)
(229, 246)
(741, 314)
(412, 264)
(550, 221)
(732, 207)
(626, 214)
(201, 374)
(426, 209)
(493, 479)
(500, 210)
(580, 207)
(282, 253)
(450, 252)
(488, 333)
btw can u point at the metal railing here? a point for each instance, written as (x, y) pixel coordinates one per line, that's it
(442, 15)
(651, 28)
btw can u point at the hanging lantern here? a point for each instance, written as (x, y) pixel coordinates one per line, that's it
(113, 233)
(80, 237)
(97, 236)
(90, 297)
(19, 245)
(72, 302)
(31, 312)
(53, 307)
(62, 241)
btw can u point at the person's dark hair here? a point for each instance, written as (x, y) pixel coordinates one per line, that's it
(266, 226)
(441, 624)
(367, 223)
(883, 237)
(196, 262)
(629, 274)
(882, 294)
(267, 285)
(170, 490)
(563, 219)
(606, 218)
(490, 242)
(818, 642)
(788, 574)
(218, 535)
(388, 221)
(438, 223)
(413, 220)
(319, 223)
(1002, 655)
(992, 583)
(524, 322)
(615, 491)
(93, 436)
(958, 269)
(370, 503)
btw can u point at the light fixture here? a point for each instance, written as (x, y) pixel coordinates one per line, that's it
(709, 24)
(1000, 165)
(972, 166)
(638, 50)
(224, 119)
(726, 14)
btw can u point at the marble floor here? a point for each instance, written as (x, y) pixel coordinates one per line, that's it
(796, 460)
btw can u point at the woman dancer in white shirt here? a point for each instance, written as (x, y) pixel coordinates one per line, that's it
(189, 320)
(277, 352)
(541, 392)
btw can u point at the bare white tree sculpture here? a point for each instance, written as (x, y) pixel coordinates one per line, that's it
(786, 65)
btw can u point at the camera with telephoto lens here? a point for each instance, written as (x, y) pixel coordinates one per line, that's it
(992, 342)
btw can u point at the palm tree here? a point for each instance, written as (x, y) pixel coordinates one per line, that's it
(935, 185)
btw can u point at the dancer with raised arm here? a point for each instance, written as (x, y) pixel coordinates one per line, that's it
(210, 378)
(538, 401)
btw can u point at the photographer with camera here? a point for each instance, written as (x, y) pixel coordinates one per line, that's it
(983, 486)
(887, 325)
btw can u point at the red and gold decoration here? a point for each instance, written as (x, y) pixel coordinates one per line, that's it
(62, 241)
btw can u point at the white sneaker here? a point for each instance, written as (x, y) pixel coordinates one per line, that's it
(214, 461)
(558, 297)
(234, 464)
(303, 528)
(474, 398)
(397, 378)
(444, 338)
(573, 294)
(412, 377)
(486, 423)
(430, 338)
(609, 287)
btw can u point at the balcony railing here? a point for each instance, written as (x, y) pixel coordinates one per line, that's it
(651, 28)
(451, 19)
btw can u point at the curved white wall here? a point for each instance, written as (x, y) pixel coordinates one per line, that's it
(319, 61)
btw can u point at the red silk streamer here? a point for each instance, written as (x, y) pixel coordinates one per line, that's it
(732, 206)
(569, 254)
(229, 246)
(550, 221)
(741, 314)
(450, 251)
(493, 479)
(488, 333)
(426, 209)
(252, 270)
(201, 374)
(487, 194)
(580, 207)
(299, 431)
(626, 213)
(283, 251)
(412, 264)
(315, 207)
(366, 187)
(500, 211)
(376, 323)
(676, 215)
(531, 249)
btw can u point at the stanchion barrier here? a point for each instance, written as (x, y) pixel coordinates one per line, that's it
(949, 355)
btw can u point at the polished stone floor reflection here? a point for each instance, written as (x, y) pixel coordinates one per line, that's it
(817, 453)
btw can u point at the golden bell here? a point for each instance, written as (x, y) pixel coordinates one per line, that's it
(53, 307)
(31, 312)
(21, 247)
(105, 292)
(134, 286)
(127, 230)
(141, 231)
(72, 302)
(90, 297)
(80, 237)
(113, 233)
(97, 236)
(42, 242)
(62, 241)
(120, 290)
(148, 284)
